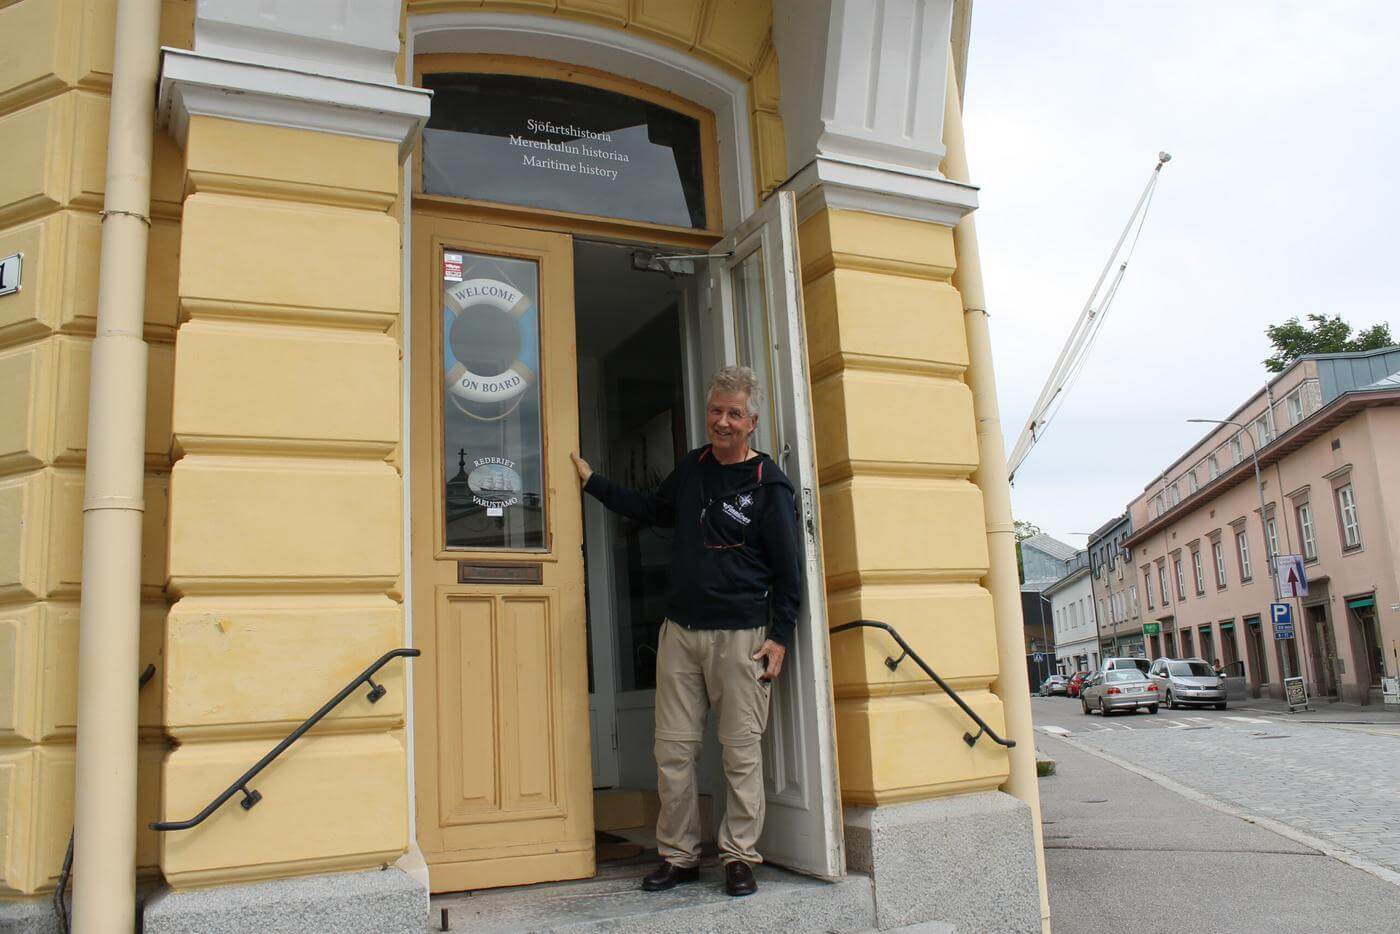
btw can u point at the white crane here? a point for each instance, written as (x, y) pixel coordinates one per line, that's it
(1086, 329)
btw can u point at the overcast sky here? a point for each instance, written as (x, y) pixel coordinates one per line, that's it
(1283, 119)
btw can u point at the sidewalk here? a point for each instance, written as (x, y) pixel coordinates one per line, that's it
(1324, 711)
(1124, 853)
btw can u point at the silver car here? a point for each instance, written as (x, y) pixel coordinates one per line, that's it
(1118, 689)
(1188, 681)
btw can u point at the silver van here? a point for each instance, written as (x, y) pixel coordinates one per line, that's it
(1188, 681)
(1113, 664)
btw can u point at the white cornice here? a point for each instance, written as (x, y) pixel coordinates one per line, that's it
(845, 185)
(206, 85)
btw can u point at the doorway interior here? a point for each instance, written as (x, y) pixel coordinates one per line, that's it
(642, 360)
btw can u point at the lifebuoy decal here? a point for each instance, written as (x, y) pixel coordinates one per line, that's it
(488, 297)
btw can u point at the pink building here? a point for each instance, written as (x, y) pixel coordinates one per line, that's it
(1327, 431)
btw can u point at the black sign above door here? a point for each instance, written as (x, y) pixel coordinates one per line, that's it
(558, 145)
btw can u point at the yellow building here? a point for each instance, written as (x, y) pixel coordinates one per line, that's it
(305, 304)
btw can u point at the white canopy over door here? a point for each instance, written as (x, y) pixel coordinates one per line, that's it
(757, 292)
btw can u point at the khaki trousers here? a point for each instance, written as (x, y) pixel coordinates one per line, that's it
(695, 670)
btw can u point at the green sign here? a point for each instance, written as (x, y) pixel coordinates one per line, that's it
(1151, 629)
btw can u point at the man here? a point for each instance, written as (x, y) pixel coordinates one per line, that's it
(735, 588)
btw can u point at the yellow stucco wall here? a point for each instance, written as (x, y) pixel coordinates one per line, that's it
(903, 535)
(285, 527)
(55, 75)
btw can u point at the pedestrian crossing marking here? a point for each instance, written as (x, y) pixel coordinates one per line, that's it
(1249, 720)
(1053, 730)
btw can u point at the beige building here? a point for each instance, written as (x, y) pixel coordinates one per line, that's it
(1117, 595)
(1327, 431)
(304, 305)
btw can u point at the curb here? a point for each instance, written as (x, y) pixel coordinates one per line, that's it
(1338, 853)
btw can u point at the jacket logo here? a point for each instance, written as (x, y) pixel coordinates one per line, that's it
(745, 500)
(735, 514)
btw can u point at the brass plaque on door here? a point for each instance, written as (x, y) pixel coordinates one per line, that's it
(500, 572)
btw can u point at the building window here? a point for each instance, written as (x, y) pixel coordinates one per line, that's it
(1219, 554)
(1147, 575)
(1242, 546)
(1162, 583)
(1351, 523)
(1236, 450)
(1200, 573)
(1212, 467)
(1133, 600)
(1180, 579)
(1272, 528)
(1295, 406)
(1120, 570)
(1191, 483)
(1262, 434)
(1305, 532)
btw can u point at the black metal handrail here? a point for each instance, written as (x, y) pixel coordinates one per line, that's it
(252, 797)
(893, 663)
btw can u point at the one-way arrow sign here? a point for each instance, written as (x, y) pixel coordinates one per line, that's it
(1292, 579)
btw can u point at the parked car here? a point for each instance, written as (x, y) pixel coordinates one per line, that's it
(1119, 689)
(1055, 684)
(1076, 681)
(1185, 681)
(1115, 664)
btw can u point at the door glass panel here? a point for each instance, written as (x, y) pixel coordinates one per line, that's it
(492, 465)
(562, 146)
(751, 335)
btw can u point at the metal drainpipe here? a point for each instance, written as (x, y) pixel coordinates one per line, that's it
(104, 895)
(1012, 685)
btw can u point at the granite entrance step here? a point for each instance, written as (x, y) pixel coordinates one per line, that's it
(613, 901)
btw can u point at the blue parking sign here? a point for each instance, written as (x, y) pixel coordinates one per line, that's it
(1282, 616)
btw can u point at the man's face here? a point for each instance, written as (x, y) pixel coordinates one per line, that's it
(728, 422)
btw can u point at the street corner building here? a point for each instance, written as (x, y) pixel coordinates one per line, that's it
(304, 306)
(1289, 505)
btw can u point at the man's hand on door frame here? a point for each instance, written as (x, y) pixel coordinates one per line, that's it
(581, 465)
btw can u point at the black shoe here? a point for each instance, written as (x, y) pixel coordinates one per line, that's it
(668, 876)
(738, 878)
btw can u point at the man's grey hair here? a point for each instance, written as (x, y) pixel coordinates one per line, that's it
(732, 380)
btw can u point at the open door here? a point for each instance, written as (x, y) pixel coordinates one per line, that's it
(757, 291)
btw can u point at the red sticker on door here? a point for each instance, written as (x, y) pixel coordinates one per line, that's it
(452, 267)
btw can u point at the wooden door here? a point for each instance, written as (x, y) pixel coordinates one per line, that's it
(502, 777)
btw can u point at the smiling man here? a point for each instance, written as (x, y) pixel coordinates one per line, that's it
(735, 588)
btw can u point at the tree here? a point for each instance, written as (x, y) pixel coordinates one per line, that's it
(1024, 530)
(1324, 334)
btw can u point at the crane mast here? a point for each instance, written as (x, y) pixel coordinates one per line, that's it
(1081, 337)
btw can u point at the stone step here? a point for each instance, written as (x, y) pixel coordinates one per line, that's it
(613, 901)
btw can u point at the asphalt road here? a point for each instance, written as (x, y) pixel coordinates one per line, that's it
(1131, 848)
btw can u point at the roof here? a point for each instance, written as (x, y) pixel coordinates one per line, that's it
(1053, 547)
(1108, 527)
(1338, 373)
(1077, 574)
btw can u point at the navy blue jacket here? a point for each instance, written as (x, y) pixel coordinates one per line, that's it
(736, 552)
